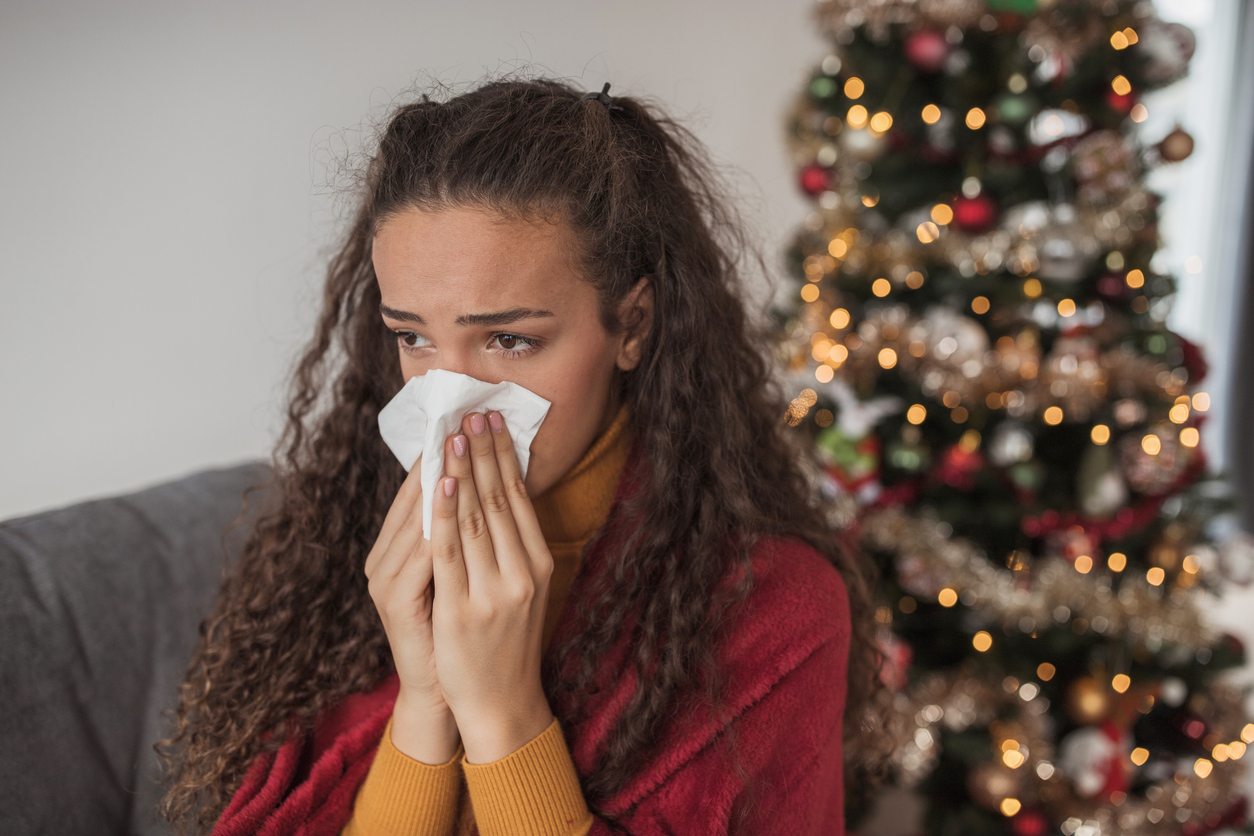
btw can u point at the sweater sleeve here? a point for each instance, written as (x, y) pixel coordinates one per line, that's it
(402, 796)
(533, 791)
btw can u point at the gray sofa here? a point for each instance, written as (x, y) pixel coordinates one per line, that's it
(100, 604)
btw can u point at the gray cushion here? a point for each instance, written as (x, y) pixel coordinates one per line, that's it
(99, 609)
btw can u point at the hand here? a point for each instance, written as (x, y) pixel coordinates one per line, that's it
(400, 581)
(492, 569)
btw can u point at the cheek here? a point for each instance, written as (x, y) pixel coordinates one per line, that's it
(578, 396)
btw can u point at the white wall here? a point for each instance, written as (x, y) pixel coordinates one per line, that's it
(165, 207)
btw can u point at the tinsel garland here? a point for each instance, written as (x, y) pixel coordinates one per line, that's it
(929, 560)
(1025, 383)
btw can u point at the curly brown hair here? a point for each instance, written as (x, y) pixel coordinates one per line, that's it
(294, 629)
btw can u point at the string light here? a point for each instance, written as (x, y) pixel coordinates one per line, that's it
(975, 118)
(881, 122)
(881, 287)
(1100, 434)
(854, 88)
(1117, 561)
(1121, 85)
(1139, 756)
(982, 641)
(856, 117)
(1045, 671)
(947, 597)
(942, 213)
(931, 114)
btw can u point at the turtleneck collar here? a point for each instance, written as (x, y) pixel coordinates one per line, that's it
(572, 510)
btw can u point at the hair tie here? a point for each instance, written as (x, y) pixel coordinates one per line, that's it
(603, 97)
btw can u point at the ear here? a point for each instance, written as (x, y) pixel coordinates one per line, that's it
(635, 311)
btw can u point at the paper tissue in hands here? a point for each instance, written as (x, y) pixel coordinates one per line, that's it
(430, 408)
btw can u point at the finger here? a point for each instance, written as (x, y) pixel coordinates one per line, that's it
(508, 551)
(476, 539)
(412, 579)
(405, 541)
(524, 512)
(407, 498)
(448, 567)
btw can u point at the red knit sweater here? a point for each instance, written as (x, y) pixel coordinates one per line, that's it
(785, 658)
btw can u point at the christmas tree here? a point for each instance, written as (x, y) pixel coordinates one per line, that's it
(1005, 424)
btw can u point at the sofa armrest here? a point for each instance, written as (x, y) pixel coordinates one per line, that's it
(100, 604)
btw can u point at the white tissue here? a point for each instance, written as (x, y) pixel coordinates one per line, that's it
(430, 408)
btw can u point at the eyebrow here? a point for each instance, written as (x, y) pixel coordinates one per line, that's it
(496, 318)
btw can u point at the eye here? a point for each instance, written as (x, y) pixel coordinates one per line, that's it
(514, 340)
(405, 339)
(511, 345)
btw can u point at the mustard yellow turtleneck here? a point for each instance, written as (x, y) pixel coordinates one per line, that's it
(533, 791)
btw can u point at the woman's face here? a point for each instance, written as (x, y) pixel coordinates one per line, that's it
(468, 290)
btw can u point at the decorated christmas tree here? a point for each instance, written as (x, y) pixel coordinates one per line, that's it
(978, 347)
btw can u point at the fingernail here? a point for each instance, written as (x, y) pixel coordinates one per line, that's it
(459, 446)
(498, 424)
(476, 424)
(450, 485)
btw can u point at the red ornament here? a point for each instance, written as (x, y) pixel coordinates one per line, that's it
(1194, 360)
(1114, 286)
(1120, 103)
(815, 179)
(957, 467)
(896, 656)
(974, 214)
(927, 49)
(1029, 822)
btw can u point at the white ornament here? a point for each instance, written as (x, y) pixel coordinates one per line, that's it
(1084, 755)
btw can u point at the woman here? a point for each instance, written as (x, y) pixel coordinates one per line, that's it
(659, 633)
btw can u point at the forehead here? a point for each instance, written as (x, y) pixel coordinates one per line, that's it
(477, 254)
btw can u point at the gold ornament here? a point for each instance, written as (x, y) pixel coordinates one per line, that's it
(1176, 146)
(1088, 701)
(992, 782)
